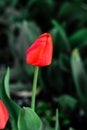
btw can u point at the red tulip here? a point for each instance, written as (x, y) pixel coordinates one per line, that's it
(40, 52)
(3, 115)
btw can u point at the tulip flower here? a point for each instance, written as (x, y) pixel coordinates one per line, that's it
(40, 52)
(3, 115)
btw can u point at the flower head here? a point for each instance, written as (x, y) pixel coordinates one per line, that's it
(3, 115)
(40, 52)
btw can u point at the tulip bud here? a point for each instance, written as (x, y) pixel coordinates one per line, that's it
(40, 52)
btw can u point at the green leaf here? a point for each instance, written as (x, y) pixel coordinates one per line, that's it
(60, 38)
(79, 38)
(79, 76)
(28, 120)
(67, 103)
(12, 107)
(71, 11)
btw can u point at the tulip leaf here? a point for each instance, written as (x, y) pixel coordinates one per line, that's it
(12, 107)
(59, 37)
(28, 120)
(79, 37)
(79, 76)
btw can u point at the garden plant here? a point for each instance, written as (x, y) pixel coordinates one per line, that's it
(43, 64)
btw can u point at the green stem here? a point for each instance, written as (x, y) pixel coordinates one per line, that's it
(57, 127)
(34, 87)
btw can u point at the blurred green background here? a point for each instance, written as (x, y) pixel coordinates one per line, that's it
(61, 85)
